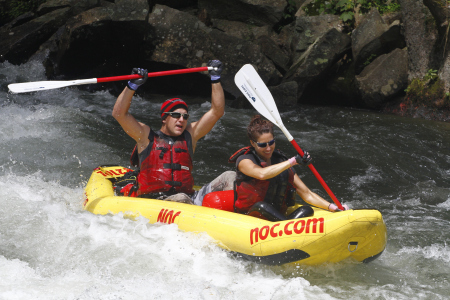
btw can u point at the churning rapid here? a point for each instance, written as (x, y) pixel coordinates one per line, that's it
(50, 248)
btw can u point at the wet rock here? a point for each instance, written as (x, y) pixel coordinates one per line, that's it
(306, 31)
(179, 38)
(76, 6)
(421, 36)
(390, 18)
(373, 37)
(20, 42)
(372, 26)
(26, 17)
(341, 86)
(98, 40)
(318, 60)
(254, 12)
(177, 4)
(440, 58)
(284, 94)
(241, 30)
(274, 53)
(384, 78)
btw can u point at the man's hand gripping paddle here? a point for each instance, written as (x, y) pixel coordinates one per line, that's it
(257, 93)
(25, 87)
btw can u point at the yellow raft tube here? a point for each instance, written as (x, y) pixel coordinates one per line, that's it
(324, 237)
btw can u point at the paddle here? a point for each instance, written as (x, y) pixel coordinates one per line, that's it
(257, 93)
(25, 87)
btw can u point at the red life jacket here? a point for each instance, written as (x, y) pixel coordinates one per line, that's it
(166, 166)
(277, 191)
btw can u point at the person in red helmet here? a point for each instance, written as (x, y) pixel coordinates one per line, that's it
(166, 155)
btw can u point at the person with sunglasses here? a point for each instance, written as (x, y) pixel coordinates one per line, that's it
(165, 156)
(265, 180)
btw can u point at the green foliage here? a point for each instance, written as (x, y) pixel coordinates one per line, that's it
(290, 10)
(429, 91)
(288, 16)
(370, 59)
(431, 75)
(346, 8)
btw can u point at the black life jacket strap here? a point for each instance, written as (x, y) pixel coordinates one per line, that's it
(134, 158)
(163, 151)
(173, 183)
(180, 150)
(175, 167)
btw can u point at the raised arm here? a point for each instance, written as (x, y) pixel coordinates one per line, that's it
(201, 127)
(136, 130)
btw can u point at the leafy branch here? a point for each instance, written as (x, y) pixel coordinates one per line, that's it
(346, 9)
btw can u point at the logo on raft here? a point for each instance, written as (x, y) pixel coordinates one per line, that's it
(166, 216)
(298, 227)
(113, 173)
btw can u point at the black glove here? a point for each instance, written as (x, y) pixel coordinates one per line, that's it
(305, 160)
(135, 83)
(215, 73)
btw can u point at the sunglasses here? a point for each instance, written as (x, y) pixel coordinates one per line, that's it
(264, 145)
(178, 115)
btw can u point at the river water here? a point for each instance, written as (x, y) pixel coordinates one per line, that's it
(50, 248)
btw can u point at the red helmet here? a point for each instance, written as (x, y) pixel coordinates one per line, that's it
(171, 104)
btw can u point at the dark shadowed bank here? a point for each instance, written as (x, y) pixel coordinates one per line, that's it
(394, 63)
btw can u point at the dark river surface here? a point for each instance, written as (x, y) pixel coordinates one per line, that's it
(50, 248)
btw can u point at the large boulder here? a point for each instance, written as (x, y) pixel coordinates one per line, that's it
(178, 4)
(274, 53)
(100, 41)
(384, 78)
(306, 30)
(284, 94)
(421, 35)
(76, 6)
(264, 36)
(444, 73)
(441, 59)
(241, 30)
(373, 37)
(179, 38)
(371, 27)
(319, 59)
(255, 12)
(20, 42)
(341, 86)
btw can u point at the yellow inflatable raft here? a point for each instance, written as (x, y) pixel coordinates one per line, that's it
(324, 237)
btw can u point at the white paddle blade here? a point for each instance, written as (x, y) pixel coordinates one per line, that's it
(257, 93)
(34, 86)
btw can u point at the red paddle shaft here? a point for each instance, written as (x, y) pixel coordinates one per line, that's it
(154, 74)
(322, 182)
